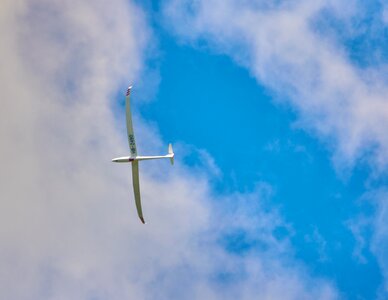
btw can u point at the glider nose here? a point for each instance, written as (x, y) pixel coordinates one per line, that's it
(118, 159)
(123, 159)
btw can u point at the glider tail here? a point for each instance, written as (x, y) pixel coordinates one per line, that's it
(171, 153)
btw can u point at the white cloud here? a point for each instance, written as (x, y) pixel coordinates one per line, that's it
(68, 225)
(281, 46)
(384, 15)
(380, 237)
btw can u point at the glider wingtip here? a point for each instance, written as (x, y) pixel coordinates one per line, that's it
(128, 90)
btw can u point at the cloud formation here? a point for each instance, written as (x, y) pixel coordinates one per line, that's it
(68, 227)
(289, 47)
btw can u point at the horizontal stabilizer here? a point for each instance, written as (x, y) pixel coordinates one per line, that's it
(171, 153)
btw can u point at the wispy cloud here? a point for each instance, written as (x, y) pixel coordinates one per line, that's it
(283, 46)
(68, 227)
(380, 237)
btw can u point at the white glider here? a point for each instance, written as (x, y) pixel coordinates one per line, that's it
(134, 158)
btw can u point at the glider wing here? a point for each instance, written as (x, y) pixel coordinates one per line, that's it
(136, 189)
(130, 133)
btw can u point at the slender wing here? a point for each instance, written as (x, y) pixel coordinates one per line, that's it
(131, 135)
(136, 189)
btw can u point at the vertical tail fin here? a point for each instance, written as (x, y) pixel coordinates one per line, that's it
(171, 153)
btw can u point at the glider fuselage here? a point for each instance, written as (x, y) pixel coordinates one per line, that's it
(126, 159)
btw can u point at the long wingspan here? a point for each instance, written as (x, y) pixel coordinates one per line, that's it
(131, 135)
(136, 189)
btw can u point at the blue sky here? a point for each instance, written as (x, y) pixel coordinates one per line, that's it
(278, 115)
(207, 100)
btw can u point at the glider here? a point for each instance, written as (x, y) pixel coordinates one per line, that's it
(134, 158)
